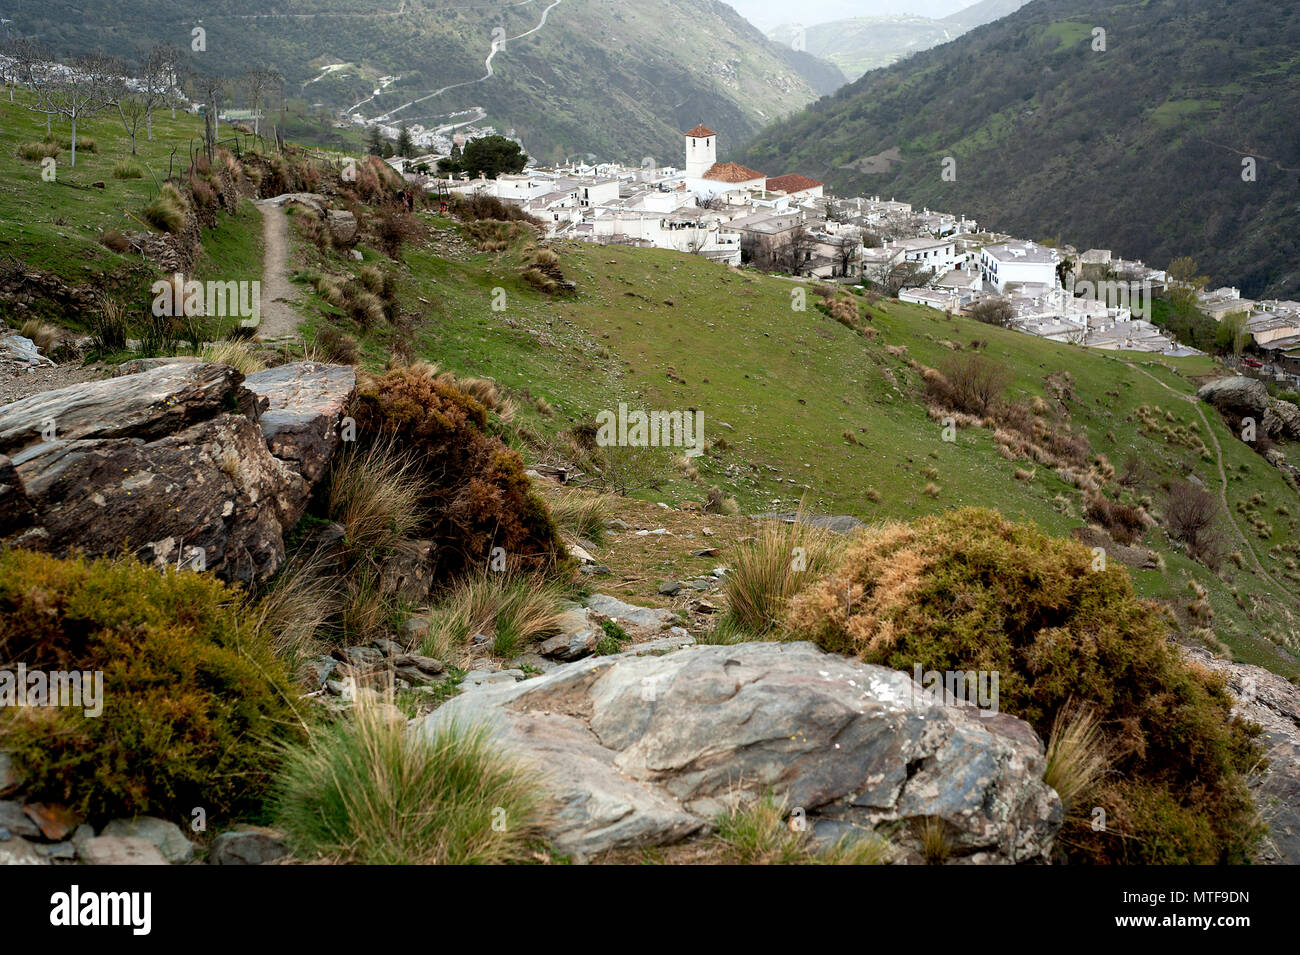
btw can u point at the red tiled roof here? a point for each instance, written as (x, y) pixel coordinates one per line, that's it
(792, 182)
(732, 172)
(700, 132)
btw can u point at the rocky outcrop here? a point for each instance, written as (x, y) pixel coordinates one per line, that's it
(18, 353)
(641, 750)
(305, 402)
(1265, 698)
(1287, 416)
(1238, 395)
(170, 464)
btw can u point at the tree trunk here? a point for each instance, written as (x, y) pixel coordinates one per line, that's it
(148, 124)
(74, 140)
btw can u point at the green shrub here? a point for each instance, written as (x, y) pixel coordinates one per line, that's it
(476, 494)
(192, 691)
(365, 790)
(968, 590)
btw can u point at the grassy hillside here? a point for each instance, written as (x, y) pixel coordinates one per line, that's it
(617, 78)
(660, 330)
(1138, 148)
(797, 407)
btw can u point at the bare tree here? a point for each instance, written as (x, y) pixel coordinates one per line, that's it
(86, 88)
(846, 252)
(260, 83)
(159, 79)
(907, 275)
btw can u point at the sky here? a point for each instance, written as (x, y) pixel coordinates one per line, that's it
(766, 14)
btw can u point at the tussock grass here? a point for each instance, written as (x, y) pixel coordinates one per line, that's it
(239, 355)
(769, 570)
(582, 515)
(43, 335)
(512, 609)
(166, 212)
(375, 494)
(759, 834)
(35, 152)
(364, 790)
(1076, 754)
(297, 610)
(128, 169)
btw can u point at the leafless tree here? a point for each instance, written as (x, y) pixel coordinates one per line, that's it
(88, 86)
(260, 84)
(846, 252)
(907, 275)
(159, 79)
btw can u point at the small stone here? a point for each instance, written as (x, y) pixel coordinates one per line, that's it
(479, 639)
(55, 821)
(248, 845)
(618, 524)
(670, 588)
(705, 552)
(417, 662)
(163, 835)
(322, 669)
(595, 570)
(121, 850)
(415, 629)
(60, 851)
(388, 647)
(16, 822)
(362, 656)
(703, 606)
(20, 852)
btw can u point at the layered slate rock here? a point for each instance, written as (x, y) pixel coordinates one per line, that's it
(1238, 395)
(647, 750)
(305, 402)
(170, 464)
(1273, 703)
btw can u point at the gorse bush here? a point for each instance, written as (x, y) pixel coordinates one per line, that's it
(191, 689)
(476, 494)
(365, 790)
(968, 590)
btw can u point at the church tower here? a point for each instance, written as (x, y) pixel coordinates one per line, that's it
(701, 151)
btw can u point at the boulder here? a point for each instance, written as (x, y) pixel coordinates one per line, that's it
(305, 405)
(164, 836)
(1267, 699)
(1238, 395)
(577, 636)
(248, 845)
(180, 464)
(1287, 416)
(634, 618)
(19, 352)
(120, 850)
(343, 226)
(647, 750)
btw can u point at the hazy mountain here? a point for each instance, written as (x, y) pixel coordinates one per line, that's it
(618, 78)
(859, 44)
(1139, 148)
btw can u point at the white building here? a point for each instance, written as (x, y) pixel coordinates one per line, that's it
(1017, 263)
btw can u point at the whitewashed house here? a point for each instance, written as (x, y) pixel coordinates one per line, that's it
(1014, 263)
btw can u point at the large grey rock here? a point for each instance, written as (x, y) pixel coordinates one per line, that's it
(577, 636)
(165, 836)
(343, 226)
(1238, 395)
(646, 750)
(171, 463)
(306, 401)
(1267, 699)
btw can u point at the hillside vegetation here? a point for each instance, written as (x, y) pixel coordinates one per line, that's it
(617, 78)
(1138, 148)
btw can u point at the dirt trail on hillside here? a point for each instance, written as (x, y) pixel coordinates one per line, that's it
(279, 318)
(1223, 476)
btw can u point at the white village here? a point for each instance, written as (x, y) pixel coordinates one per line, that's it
(790, 224)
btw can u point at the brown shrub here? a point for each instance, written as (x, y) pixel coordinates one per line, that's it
(968, 382)
(477, 495)
(1124, 522)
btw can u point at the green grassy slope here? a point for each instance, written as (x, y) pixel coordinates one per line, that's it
(659, 330)
(1136, 148)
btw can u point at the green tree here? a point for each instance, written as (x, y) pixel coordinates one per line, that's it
(491, 156)
(405, 148)
(374, 145)
(1232, 333)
